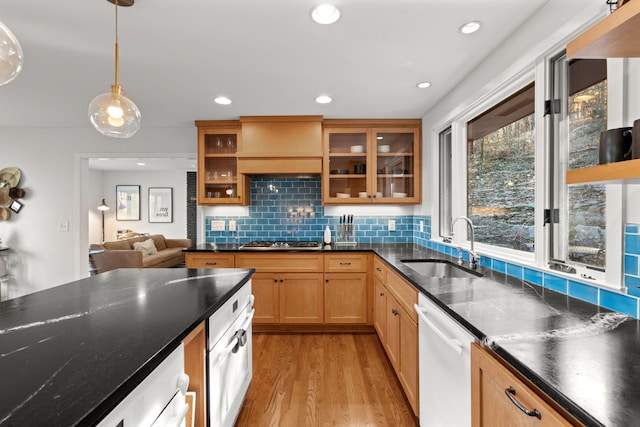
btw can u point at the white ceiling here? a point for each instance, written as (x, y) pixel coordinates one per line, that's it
(268, 56)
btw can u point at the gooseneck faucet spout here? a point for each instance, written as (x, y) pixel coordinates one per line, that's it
(473, 256)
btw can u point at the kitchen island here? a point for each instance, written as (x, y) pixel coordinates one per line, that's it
(70, 354)
(582, 356)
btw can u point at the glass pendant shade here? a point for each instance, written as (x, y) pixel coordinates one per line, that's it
(10, 55)
(115, 115)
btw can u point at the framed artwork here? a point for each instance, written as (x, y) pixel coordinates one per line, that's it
(160, 204)
(127, 203)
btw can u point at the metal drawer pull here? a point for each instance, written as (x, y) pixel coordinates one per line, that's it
(394, 312)
(511, 393)
(381, 294)
(211, 263)
(345, 263)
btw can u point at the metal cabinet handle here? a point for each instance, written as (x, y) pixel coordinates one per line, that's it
(381, 294)
(511, 393)
(281, 280)
(326, 280)
(394, 312)
(378, 269)
(275, 280)
(345, 263)
(211, 263)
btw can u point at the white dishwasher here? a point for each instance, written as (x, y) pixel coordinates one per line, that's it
(445, 371)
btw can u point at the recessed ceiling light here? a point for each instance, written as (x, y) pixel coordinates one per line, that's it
(423, 85)
(325, 14)
(222, 100)
(470, 27)
(323, 99)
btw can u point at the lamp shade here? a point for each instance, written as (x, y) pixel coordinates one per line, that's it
(103, 206)
(10, 55)
(115, 115)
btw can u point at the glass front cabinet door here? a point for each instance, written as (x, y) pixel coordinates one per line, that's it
(371, 165)
(218, 179)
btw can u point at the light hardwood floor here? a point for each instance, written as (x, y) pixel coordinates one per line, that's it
(310, 379)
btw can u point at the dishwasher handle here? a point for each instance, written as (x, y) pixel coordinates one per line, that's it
(453, 343)
(236, 341)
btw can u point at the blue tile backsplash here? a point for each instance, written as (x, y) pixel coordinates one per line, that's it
(291, 209)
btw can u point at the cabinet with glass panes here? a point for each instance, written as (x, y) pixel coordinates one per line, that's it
(371, 162)
(218, 180)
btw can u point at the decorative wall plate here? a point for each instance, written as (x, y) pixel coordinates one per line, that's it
(9, 177)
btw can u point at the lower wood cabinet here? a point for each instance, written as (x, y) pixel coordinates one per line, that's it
(500, 399)
(266, 290)
(301, 298)
(195, 365)
(345, 297)
(397, 328)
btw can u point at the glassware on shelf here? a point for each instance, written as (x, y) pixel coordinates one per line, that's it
(230, 145)
(219, 145)
(229, 175)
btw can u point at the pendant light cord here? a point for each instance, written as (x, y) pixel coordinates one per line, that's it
(117, 84)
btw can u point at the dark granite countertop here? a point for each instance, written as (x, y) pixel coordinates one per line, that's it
(585, 357)
(69, 354)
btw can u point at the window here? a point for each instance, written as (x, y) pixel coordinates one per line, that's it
(501, 174)
(581, 86)
(444, 141)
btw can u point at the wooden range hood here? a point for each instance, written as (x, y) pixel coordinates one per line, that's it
(280, 145)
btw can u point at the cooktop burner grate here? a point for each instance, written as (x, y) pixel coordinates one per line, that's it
(281, 244)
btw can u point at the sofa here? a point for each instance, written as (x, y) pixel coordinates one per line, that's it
(138, 252)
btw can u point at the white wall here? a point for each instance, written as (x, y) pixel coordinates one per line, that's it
(57, 181)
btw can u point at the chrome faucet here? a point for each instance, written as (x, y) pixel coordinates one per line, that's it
(473, 256)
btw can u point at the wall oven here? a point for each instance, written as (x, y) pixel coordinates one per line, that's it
(230, 364)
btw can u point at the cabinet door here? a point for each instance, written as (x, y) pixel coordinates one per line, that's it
(392, 342)
(301, 298)
(408, 374)
(345, 298)
(344, 178)
(380, 310)
(495, 391)
(396, 165)
(266, 290)
(208, 260)
(218, 180)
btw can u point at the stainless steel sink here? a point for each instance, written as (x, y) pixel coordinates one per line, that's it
(441, 269)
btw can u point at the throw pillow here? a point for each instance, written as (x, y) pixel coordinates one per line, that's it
(147, 247)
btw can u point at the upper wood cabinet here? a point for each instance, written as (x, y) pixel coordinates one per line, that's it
(615, 36)
(281, 144)
(219, 182)
(371, 161)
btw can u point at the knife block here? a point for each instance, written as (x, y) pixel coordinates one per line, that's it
(344, 234)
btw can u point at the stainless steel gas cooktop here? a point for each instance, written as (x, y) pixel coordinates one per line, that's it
(258, 245)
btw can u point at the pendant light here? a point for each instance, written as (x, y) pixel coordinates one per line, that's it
(10, 55)
(112, 113)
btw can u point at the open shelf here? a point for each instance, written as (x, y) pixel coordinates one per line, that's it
(615, 36)
(620, 172)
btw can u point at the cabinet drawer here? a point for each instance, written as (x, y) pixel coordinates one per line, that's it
(279, 263)
(495, 391)
(406, 294)
(379, 269)
(345, 263)
(195, 260)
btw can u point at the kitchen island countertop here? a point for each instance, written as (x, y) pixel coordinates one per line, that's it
(70, 353)
(583, 356)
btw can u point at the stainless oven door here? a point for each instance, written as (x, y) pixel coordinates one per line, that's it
(230, 368)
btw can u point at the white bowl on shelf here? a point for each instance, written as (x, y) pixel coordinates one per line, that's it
(363, 194)
(357, 148)
(343, 195)
(384, 148)
(398, 195)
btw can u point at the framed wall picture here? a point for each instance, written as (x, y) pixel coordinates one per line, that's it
(160, 204)
(127, 202)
